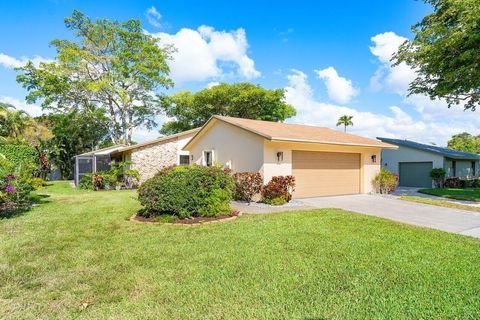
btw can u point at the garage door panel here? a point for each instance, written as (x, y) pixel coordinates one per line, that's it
(415, 174)
(325, 173)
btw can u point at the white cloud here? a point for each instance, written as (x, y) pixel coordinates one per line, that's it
(396, 124)
(32, 109)
(340, 89)
(395, 79)
(204, 54)
(212, 84)
(153, 17)
(10, 62)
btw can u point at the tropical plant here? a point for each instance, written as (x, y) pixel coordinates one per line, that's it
(345, 121)
(243, 100)
(385, 181)
(247, 185)
(114, 66)
(438, 175)
(278, 190)
(444, 53)
(186, 191)
(15, 186)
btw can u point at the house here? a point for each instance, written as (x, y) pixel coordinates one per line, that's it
(412, 161)
(323, 161)
(148, 157)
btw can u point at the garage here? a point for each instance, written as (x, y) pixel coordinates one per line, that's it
(415, 174)
(325, 173)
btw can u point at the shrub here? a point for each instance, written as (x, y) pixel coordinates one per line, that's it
(98, 182)
(15, 185)
(438, 175)
(275, 201)
(186, 191)
(19, 154)
(247, 185)
(476, 183)
(86, 182)
(385, 181)
(453, 182)
(38, 182)
(277, 188)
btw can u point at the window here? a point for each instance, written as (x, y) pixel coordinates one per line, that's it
(207, 158)
(184, 160)
(473, 169)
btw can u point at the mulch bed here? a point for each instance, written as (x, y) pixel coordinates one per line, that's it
(189, 221)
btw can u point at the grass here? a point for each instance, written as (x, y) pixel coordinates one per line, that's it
(468, 194)
(440, 203)
(77, 256)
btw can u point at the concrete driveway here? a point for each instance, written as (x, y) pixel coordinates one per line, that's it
(389, 207)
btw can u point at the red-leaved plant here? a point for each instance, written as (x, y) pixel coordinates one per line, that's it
(247, 185)
(279, 190)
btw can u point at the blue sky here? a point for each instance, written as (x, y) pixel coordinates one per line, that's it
(331, 56)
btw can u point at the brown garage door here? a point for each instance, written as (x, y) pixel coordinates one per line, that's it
(325, 173)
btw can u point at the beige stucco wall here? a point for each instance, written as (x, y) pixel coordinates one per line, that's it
(234, 147)
(245, 151)
(273, 168)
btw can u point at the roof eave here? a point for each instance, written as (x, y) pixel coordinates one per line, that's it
(383, 146)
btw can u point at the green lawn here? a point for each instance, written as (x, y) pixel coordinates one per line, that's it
(459, 194)
(77, 256)
(440, 203)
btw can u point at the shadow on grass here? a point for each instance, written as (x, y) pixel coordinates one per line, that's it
(34, 199)
(12, 213)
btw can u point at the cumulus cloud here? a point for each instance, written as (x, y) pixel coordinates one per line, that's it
(32, 109)
(153, 17)
(395, 79)
(339, 89)
(396, 124)
(205, 53)
(10, 62)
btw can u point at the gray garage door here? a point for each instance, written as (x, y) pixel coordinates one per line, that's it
(415, 174)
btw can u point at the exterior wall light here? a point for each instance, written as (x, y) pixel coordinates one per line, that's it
(374, 158)
(280, 156)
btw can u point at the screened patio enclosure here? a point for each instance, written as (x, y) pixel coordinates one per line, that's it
(94, 161)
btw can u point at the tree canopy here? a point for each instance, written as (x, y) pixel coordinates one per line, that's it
(445, 53)
(114, 66)
(465, 142)
(346, 121)
(244, 100)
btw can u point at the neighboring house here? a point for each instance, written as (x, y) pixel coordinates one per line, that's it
(148, 157)
(413, 161)
(323, 161)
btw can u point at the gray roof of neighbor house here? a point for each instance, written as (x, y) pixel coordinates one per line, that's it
(446, 152)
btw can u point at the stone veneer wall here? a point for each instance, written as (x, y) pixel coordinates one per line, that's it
(150, 159)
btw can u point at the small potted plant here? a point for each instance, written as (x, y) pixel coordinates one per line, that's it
(118, 185)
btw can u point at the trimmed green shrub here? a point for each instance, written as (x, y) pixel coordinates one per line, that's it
(247, 185)
(17, 153)
(86, 182)
(385, 181)
(187, 191)
(38, 182)
(278, 190)
(438, 175)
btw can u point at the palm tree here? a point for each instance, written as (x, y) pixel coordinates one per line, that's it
(346, 121)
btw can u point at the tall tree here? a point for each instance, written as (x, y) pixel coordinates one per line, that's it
(114, 66)
(345, 121)
(244, 100)
(75, 132)
(465, 142)
(445, 53)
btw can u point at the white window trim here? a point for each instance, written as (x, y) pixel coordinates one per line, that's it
(212, 152)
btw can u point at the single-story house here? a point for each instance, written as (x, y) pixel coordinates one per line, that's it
(148, 157)
(413, 161)
(323, 161)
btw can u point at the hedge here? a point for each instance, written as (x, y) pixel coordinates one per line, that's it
(19, 153)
